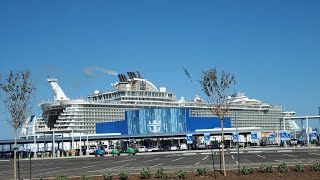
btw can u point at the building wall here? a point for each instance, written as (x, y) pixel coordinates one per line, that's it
(160, 121)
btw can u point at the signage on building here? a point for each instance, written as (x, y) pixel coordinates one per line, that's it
(235, 137)
(313, 135)
(206, 137)
(189, 139)
(254, 136)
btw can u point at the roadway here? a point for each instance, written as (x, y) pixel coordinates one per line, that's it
(170, 161)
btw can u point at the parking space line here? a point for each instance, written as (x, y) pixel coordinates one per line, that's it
(261, 156)
(289, 155)
(158, 165)
(205, 158)
(173, 155)
(232, 156)
(197, 163)
(315, 154)
(177, 159)
(152, 160)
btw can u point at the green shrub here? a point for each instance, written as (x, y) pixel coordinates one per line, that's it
(40, 178)
(265, 168)
(123, 175)
(145, 173)
(61, 177)
(84, 177)
(201, 171)
(246, 171)
(161, 174)
(283, 168)
(180, 174)
(107, 176)
(299, 167)
(316, 167)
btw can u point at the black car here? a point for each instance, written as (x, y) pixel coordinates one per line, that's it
(8, 154)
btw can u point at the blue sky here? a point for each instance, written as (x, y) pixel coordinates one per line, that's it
(273, 47)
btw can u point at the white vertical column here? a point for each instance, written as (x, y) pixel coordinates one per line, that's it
(72, 140)
(284, 123)
(72, 150)
(35, 145)
(307, 131)
(80, 153)
(53, 145)
(87, 151)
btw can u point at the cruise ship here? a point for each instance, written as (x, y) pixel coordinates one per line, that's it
(133, 92)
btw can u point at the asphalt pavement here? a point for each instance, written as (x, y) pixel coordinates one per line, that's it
(170, 161)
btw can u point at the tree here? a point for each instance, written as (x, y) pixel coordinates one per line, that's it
(16, 93)
(219, 90)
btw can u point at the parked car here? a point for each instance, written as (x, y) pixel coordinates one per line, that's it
(92, 150)
(99, 152)
(173, 148)
(183, 146)
(115, 151)
(155, 148)
(8, 154)
(142, 149)
(201, 146)
(131, 151)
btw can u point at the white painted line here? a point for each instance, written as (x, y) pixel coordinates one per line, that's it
(177, 159)
(4, 160)
(157, 165)
(289, 155)
(152, 160)
(284, 151)
(261, 156)
(173, 155)
(189, 154)
(254, 152)
(197, 163)
(237, 162)
(232, 156)
(315, 154)
(236, 152)
(205, 158)
(277, 160)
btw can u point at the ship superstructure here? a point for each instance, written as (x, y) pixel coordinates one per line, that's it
(134, 93)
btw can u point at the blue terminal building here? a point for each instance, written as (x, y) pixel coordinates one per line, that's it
(162, 121)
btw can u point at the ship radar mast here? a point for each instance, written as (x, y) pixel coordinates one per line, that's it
(58, 93)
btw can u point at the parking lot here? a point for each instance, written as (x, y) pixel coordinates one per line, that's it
(170, 161)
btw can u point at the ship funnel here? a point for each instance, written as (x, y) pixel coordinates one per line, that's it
(58, 93)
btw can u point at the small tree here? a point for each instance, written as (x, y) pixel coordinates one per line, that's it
(219, 90)
(16, 92)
